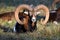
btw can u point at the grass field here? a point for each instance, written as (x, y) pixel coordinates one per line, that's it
(50, 31)
(43, 32)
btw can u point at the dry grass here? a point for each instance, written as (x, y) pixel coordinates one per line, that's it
(44, 32)
(7, 9)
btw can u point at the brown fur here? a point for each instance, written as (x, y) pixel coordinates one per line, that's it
(25, 20)
(7, 16)
(58, 15)
(55, 16)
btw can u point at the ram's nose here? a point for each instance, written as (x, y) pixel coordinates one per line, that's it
(33, 19)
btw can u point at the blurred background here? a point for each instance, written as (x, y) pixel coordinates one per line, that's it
(15, 3)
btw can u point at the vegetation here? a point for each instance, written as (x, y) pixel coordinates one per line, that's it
(6, 9)
(43, 32)
(15, 3)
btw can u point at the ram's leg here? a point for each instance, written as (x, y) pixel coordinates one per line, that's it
(26, 26)
(18, 28)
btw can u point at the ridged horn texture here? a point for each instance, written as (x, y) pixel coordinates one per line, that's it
(21, 7)
(46, 10)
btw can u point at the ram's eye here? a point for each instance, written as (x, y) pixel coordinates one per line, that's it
(26, 12)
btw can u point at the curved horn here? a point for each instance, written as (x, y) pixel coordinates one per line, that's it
(43, 7)
(54, 3)
(21, 7)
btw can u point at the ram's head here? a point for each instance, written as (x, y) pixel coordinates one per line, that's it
(33, 12)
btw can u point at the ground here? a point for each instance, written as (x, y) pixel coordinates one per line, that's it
(43, 32)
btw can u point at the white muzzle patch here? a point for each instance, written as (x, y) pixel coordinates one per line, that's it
(33, 19)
